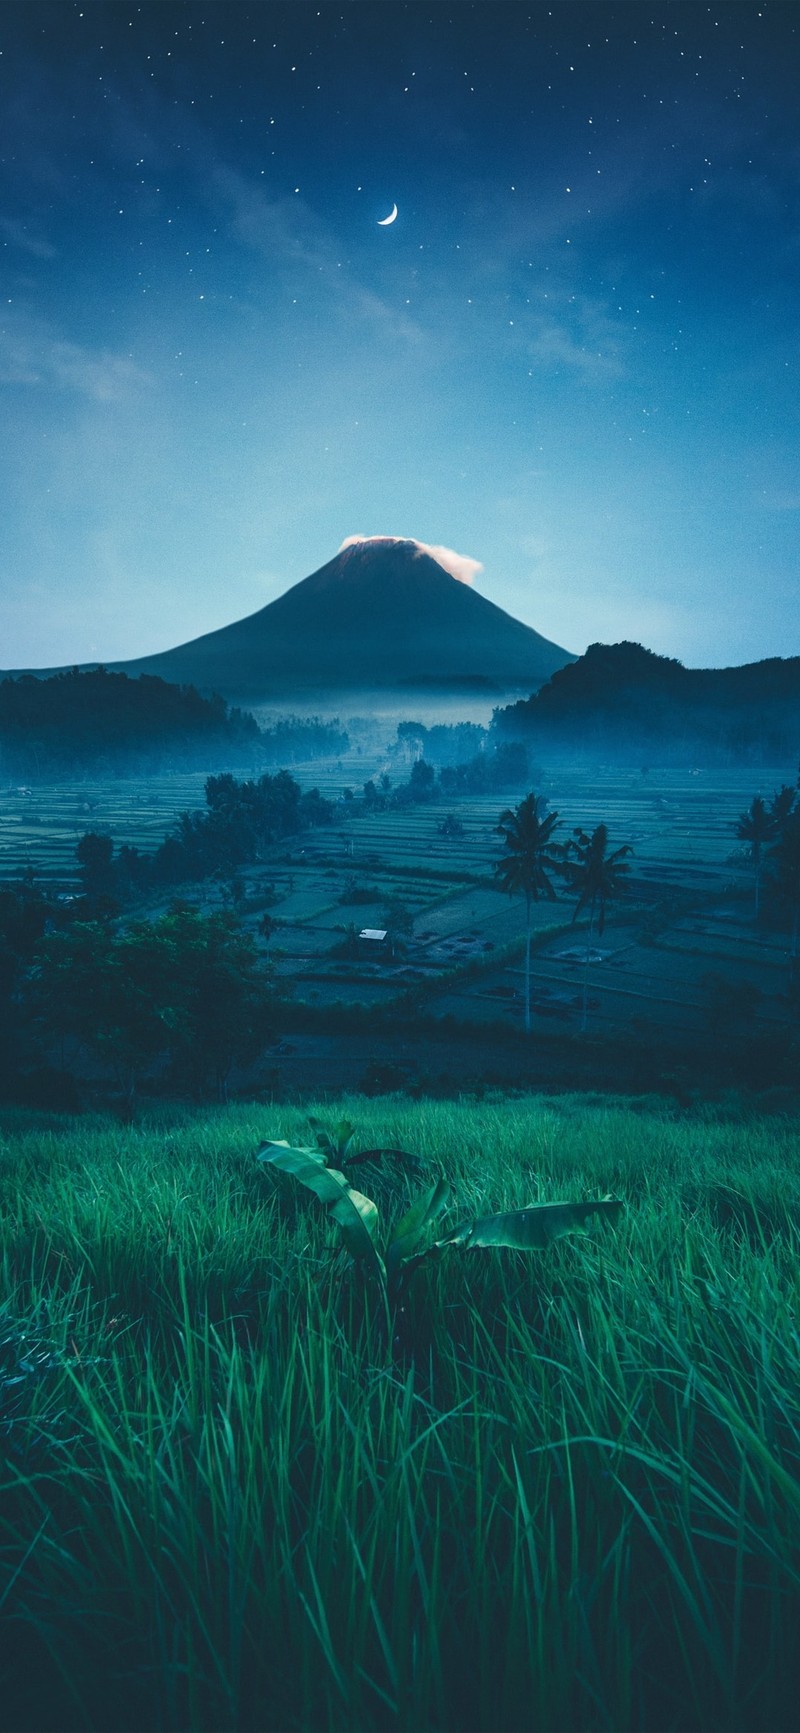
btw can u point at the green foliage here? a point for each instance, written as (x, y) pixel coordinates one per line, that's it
(241, 823)
(530, 1229)
(93, 718)
(410, 1230)
(775, 828)
(336, 1142)
(451, 826)
(784, 865)
(356, 890)
(444, 743)
(188, 988)
(398, 918)
(596, 877)
(355, 1215)
(756, 827)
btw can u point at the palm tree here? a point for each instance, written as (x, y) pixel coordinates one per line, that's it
(781, 805)
(596, 876)
(757, 826)
(784, 856)
(524, 869)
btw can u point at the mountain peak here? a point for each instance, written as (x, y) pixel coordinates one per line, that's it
(385, 614)
(459, 566)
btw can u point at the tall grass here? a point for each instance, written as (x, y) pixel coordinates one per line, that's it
(566, 1496)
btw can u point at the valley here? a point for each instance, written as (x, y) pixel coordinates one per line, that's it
(681, 964)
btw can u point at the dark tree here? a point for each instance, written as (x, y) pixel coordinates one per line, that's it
(529, 858)
(190, 989)
(421, 780)
(597, 877)
(784, 860)
(95, 857)
(757, 827)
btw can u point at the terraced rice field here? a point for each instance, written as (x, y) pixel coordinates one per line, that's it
(41, 825)
(687, 912)
(686, 862)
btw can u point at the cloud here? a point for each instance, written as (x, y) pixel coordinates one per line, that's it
(555, 346)
(575, 333)
(460, 566)
(21, 236)
(292, 238)
(32, 353)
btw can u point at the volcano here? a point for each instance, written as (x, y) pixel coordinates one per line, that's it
(382, 615)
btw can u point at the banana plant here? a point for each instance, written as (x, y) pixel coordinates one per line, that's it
(337, 1144)
(410, 1241)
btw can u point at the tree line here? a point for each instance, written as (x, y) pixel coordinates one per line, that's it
(97, 721)
(503, 766)
(241, 821)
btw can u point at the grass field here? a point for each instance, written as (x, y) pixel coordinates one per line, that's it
(567, 1496)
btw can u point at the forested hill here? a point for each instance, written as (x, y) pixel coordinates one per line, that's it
(98, 720)
(629, 704)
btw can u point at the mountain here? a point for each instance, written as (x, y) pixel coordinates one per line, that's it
(626, 704)
(382, 614)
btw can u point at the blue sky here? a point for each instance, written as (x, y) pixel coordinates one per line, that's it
(573, 358)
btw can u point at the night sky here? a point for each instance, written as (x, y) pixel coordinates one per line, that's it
(573, 358)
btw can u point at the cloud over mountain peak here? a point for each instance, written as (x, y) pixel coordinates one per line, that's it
(460, 566)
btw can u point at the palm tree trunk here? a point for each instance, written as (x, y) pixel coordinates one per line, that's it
(528, 970)
(585, 1016)
(757, 865)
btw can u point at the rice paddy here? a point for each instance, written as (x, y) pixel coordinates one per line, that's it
(686, 916)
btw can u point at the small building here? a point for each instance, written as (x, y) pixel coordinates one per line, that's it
(375, 942)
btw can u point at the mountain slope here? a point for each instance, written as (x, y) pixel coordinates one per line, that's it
(626, 704)
(382, 614)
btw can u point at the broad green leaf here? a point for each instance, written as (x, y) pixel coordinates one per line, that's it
(337, 1140)
(412, 1225)
(312, 1152)
(532, 1229)
(355, 1215)
(409, 1161)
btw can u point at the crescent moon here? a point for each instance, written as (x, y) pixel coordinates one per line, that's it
(384, 221)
